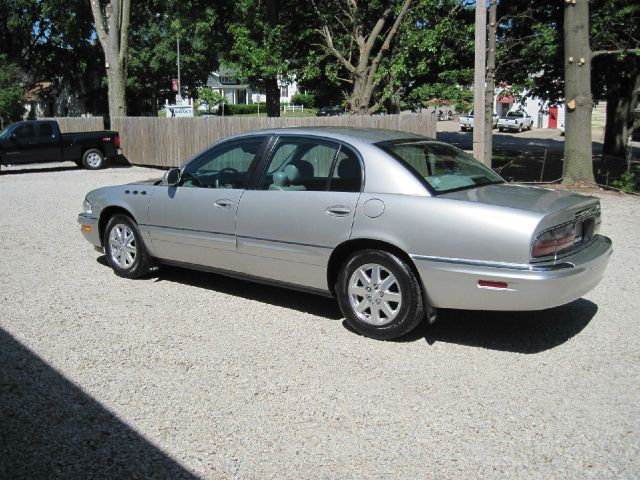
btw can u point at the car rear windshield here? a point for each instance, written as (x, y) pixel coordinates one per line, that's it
(444, 168)
(514, 115)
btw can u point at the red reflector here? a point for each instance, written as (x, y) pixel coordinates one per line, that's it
(116, 141)
(487, 283)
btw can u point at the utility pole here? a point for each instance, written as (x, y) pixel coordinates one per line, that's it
(491, 83)
(479, 77)
(178, 62)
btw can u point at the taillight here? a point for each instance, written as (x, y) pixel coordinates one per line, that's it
(116, 141)
(554, 241)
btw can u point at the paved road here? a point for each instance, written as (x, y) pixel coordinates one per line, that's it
(532, 140)
(191, 375)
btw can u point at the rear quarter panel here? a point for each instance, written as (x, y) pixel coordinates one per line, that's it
(453, 229)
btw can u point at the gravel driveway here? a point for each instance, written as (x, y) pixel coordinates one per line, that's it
(191, 375)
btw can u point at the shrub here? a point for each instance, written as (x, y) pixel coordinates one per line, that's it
(306, 99)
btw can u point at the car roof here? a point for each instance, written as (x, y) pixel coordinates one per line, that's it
(347, 134)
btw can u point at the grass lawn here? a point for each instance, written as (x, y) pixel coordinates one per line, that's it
(308, 112)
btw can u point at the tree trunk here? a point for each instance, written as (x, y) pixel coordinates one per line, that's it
(112, 29)
(491, 84)
(272, 89)
(360, 100)
(116, 78)
(622, 94)
(273, 97)
(578, 161)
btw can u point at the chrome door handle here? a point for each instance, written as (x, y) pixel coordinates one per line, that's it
(223, 203)
(338, 211)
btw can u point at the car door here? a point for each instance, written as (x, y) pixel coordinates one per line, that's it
(49, 143)
(301, 208)
(21, 146)
(194, 222)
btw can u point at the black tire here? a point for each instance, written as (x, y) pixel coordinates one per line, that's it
(500, 129)
(530, 126)
(138, 262)
(93, 159)
(520, 128)
(408, 313)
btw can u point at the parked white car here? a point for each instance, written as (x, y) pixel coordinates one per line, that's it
(515, 120)
(466, 121)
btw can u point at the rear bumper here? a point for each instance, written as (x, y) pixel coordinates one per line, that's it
(453, 283)
(89, 229)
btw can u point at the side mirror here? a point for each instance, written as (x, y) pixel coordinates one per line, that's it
(172, 177)
(13, 136)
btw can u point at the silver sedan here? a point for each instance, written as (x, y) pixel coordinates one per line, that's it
(393, 224)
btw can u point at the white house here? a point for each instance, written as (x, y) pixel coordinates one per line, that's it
(236, 92)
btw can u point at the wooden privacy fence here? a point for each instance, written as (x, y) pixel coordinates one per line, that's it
(78, 124)
(169, 142)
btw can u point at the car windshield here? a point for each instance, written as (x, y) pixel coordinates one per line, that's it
(444, 168)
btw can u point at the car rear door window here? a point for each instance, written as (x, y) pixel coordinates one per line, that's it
(298, 165)
(347, 172)
(46, 130)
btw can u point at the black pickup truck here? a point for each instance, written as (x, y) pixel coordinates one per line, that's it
(41, 141)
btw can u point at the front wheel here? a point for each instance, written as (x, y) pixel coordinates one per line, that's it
(530, 126)
(520, 128)
(124, 248)
(93, 159)
(379, 295)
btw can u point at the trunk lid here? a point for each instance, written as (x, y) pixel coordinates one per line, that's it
(555, 207)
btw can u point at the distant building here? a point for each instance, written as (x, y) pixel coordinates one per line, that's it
(59, 99)
(236, 92)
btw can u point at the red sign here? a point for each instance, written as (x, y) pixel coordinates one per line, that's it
(174, 85)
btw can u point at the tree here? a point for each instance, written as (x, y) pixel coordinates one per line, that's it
(112, 28)
(11, 91)
(358, 38)
(211, 97)
(269, 44)
(152, 49)
(615, 38)
(431, 58)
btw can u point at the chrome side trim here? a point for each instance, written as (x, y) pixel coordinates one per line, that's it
(505, 265)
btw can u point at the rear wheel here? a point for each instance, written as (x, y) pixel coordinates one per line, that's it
(379, 295)
(500, 129)
(93, 159)
(124, 248)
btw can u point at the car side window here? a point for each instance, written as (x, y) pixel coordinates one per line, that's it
(46, 130)
(226, 166)
(25, 132)
(347, 172)
(299, 164)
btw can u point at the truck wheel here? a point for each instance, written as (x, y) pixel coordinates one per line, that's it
(379, 295)
(519, 128)
(93, 159)
(500, 129)
(530, 126)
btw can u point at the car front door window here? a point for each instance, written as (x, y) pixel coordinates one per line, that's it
(226, 166)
